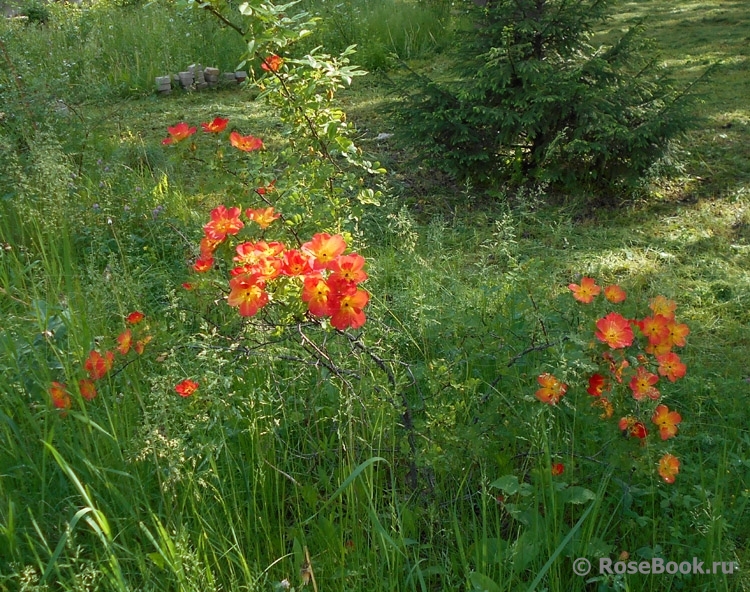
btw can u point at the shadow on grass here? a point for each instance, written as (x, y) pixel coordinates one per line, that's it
(691, 37)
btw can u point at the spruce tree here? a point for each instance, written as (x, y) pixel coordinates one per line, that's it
(536, 101)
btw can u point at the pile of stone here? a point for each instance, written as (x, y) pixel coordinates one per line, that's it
(196, 77)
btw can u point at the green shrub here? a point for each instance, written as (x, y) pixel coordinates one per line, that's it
(536, 102)
(37, 12)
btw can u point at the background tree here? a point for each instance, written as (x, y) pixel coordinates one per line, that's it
(537, 101)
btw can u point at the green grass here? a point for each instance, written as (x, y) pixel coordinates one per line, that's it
(383, 31)
(104, 52)
(693, 37)
(390, 486)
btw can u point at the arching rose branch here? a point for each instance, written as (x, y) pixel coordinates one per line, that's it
(633, 355)
(326, 279)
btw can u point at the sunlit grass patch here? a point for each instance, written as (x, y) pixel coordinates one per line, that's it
(691, 38)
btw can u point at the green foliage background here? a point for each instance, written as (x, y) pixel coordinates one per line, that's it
(533, 100)
(388, 472)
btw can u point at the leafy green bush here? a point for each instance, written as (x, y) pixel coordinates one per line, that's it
(37, 12)
(536, 102)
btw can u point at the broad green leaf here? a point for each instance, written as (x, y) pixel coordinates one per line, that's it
(507, 484)
(482, 583)
(157, 559)
(577, 495)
